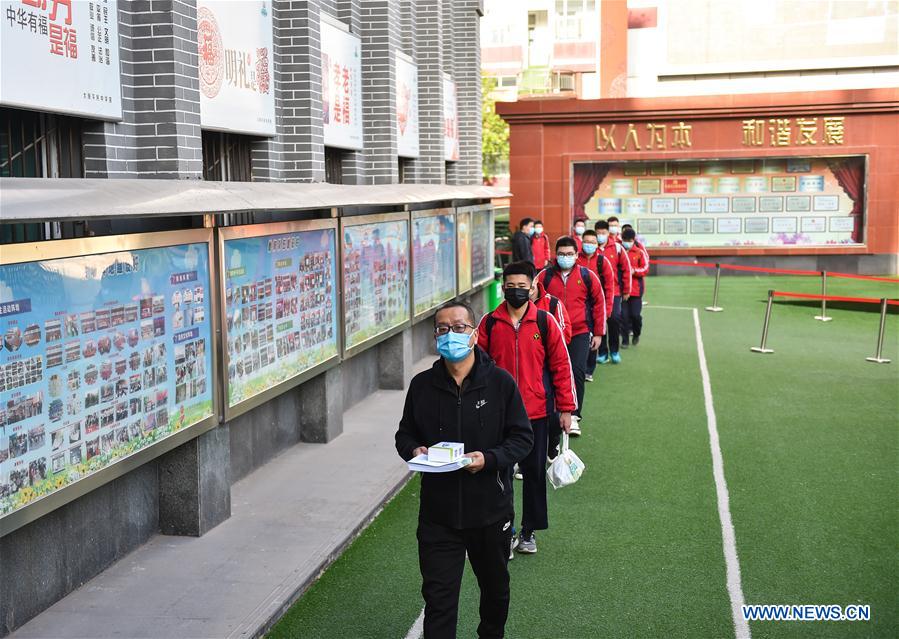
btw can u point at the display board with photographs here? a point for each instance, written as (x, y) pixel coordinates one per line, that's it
(280, 302)
(748, 202)
(103, 355)
(375, 277)
(433, 258)
(481, 245)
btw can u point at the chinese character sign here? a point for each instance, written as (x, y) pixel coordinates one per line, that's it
(341, 87)
(102, 356)
(234, 49)
(450, 120)
(61, 56)
(406, 108)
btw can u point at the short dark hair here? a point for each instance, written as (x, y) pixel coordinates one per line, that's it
(590, 233)
(601, 224)
(627, 226)
(454, 304)
(581, 219)
(523, 267)
(612, 218)
(536, 222)
(566, 241)
(628, 234)
(524, 222)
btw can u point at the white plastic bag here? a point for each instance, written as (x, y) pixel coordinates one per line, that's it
(566, 468)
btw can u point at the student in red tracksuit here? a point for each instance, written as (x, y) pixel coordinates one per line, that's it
(621, 267)
(593, 259)
(553, 305)
(580, 225)
(615, 228)
(540, 245)
(580, 291)
(633, 307)
(528, 343)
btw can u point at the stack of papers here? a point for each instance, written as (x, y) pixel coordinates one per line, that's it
(421, 464)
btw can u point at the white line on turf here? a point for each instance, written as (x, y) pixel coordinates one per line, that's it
(671, 308)
(734, 589)
(418, 627)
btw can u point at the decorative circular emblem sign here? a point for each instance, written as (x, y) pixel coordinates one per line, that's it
(211, 53)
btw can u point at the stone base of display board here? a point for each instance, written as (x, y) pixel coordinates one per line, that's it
(395, 361)
(195, 484)
(321, 407)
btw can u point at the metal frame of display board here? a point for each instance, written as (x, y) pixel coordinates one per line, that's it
(416, 215)
(489, 209)
(259, 230)
(59, 249)
(349, 222)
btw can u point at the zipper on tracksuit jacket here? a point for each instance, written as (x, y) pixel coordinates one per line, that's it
(459, 425)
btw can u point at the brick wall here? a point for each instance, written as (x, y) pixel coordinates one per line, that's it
(160, 133)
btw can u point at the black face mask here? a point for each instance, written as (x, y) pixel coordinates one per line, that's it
(517, 297)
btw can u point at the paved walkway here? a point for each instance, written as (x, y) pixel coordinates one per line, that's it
(289, 519)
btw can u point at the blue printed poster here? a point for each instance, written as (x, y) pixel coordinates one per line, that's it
(434, 260)
(102, 356)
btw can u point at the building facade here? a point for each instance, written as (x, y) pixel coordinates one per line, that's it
(223, 224)
(777, 146)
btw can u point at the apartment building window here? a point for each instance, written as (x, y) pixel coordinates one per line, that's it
(40, 145)
(226, 157)
(508, 81)
(333, 166)
(563, 82)
(575, 19)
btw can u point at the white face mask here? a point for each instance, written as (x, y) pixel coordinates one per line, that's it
(580, 229)
(538, 231)
(614, 230)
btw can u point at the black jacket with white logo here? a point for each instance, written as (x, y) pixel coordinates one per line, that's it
(487, 414)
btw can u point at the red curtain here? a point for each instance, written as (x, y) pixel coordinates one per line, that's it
(587, 178)
(850, 174)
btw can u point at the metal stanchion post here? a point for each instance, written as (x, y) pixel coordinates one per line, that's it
(762, 348)
(823, 316)
(878, 358)
(714, 308)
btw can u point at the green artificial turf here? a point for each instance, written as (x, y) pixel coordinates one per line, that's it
(811, 452)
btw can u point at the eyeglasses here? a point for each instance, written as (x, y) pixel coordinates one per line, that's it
(566, 254)
(443, 329)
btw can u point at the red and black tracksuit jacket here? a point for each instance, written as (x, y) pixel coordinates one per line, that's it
(540, 249)
(603, 268)
(541, 368)
(639, 260)
(581, 294)
(621, 266)
(554, 306)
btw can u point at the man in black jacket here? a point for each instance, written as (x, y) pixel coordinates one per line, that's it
(465, 398)
(521, 241)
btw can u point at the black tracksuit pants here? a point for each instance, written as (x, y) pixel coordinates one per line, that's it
(441, 556)
(578, 351)
(633, 318)
(533, 491)
(610, 341)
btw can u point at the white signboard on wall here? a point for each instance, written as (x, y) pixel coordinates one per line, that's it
(450, 120)
(61, 57)
(341, 87)
(234, 44)
(406, 107)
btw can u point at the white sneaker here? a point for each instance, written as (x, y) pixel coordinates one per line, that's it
(588, 378)
(575, 426)
(517, 473)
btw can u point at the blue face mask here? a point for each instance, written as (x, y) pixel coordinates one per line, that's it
(453, 347)
(602, 238)
(531, 231)
(589, 249)
(627, 245)
(566, 262)
(580, 229)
